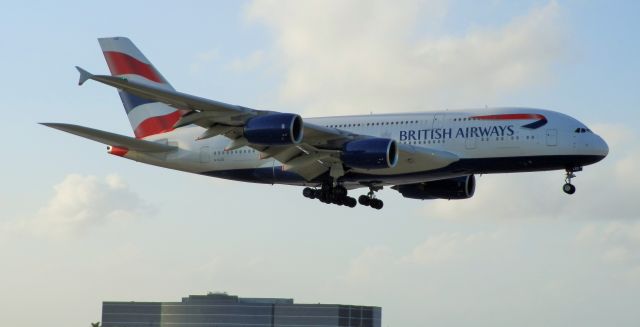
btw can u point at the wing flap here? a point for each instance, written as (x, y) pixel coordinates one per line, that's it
(112, 138)
(309, 170)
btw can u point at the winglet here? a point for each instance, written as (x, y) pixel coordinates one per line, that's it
(84, 75)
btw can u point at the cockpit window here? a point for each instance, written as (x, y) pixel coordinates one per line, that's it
(582, 130)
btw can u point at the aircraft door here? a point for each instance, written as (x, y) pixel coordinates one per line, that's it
(205, 155)
(552, 137)
(438, 121)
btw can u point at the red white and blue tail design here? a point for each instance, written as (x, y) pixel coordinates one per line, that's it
(147, 117)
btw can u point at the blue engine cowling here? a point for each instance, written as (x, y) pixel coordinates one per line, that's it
(374, 153)
(274, 129)
(451, 189)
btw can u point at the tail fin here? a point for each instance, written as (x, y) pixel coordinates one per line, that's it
(147, 117)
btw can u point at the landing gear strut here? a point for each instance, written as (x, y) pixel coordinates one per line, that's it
(330, 194)
(568, 187)
(370, 199)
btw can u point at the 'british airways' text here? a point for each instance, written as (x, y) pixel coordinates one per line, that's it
(462, 132)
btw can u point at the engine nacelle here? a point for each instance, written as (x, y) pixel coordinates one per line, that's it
(274, 129)
(374, 153)
(451, 189)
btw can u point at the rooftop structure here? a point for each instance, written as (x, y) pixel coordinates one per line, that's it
(222, 310)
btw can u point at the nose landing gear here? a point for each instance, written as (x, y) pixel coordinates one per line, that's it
(568, 187)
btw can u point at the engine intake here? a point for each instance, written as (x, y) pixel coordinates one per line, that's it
(274, 129)
(373, 153)
(451, 189)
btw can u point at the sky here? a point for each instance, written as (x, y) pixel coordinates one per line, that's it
(78, 226)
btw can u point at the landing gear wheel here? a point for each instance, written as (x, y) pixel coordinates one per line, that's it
(569, 188)
(377, 204)
(330, 193)
(364, 200)
(308, 193)
(350, 202)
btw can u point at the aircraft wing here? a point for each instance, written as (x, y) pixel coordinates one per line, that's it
(317, 153)
(112, 139)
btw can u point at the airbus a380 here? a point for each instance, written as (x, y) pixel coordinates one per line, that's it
(423, 155)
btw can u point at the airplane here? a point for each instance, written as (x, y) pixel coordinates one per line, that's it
(422, 155)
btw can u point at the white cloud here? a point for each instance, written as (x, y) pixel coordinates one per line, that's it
(204, 59)
(382, 58)
(378, 264)
(447, 247)
(82, 201)
(368, 265)
(251, 62)
(616, 254)
(514, 267)
(616, 243)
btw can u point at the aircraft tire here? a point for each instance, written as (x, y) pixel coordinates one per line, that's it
(377, 204)
(350, 202)
(308, 192)
(569, 188)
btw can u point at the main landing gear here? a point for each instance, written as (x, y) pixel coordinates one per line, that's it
(568, 187)
(370, 199)
(331, 194)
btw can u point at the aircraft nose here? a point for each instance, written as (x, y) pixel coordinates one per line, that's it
(601, 147)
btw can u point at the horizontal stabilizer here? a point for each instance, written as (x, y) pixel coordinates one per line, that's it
(111, 139)
(84, 75)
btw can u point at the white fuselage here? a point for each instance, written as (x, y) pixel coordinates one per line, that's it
(484, 145)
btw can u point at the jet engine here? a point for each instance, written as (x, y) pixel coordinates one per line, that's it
(274, 129)
(373, 153)
(451, 189)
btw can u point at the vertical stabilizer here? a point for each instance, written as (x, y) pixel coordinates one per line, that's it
(147, 117)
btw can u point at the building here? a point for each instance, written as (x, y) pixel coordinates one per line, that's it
(222, 310)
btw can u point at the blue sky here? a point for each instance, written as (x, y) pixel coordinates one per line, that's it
(79, 226)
